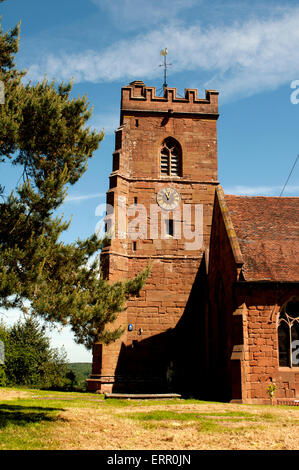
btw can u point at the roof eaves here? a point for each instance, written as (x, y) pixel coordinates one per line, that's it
(231, 233)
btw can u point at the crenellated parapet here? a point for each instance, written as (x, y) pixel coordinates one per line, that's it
(137, 97)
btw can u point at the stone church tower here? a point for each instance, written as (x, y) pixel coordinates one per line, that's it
(162, 189)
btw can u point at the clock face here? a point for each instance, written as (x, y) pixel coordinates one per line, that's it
(168, 198)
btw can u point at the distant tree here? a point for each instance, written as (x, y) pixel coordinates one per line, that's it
(3, 380)
(29, 358)
(80, 371)
(71, 380)
(43, 131)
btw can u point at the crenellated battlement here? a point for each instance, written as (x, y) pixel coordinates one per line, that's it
(138, 97)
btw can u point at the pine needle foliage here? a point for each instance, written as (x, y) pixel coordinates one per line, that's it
(44, 132)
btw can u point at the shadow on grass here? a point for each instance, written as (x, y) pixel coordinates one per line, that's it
(23, 415)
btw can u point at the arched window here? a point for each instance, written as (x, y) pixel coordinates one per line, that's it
(288, 334)
(171, 158)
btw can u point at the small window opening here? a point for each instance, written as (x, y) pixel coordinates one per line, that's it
(136, 122)
(115, 165)
(170, 227)
(135, 200)
(134, 246)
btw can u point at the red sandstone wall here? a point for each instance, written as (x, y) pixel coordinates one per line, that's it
(136, 174)
(263, 304)
(224, 331)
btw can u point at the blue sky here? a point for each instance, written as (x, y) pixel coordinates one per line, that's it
(248, 51)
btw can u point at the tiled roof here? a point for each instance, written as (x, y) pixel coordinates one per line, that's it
(267, 230)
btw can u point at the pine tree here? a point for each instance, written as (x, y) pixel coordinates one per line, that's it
(43, 131)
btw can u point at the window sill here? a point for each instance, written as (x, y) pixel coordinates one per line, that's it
(172, 177)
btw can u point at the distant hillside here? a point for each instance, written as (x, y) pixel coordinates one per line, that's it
(81, 370)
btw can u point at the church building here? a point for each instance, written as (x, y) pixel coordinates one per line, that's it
(218, 317)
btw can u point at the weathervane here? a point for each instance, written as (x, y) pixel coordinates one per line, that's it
(165, 65)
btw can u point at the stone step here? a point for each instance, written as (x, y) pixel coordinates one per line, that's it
(289, 402)
(140, 396)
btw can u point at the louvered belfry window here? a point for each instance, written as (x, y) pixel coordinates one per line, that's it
(171, 158)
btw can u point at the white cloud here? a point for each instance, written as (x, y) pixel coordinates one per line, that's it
(243, 59)
(83, 197)
(261, 190)
(132, 14)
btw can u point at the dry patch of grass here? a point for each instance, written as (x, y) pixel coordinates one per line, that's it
(184, 426)
(10, 394)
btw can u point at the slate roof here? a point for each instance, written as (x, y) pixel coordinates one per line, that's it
(267, 230)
